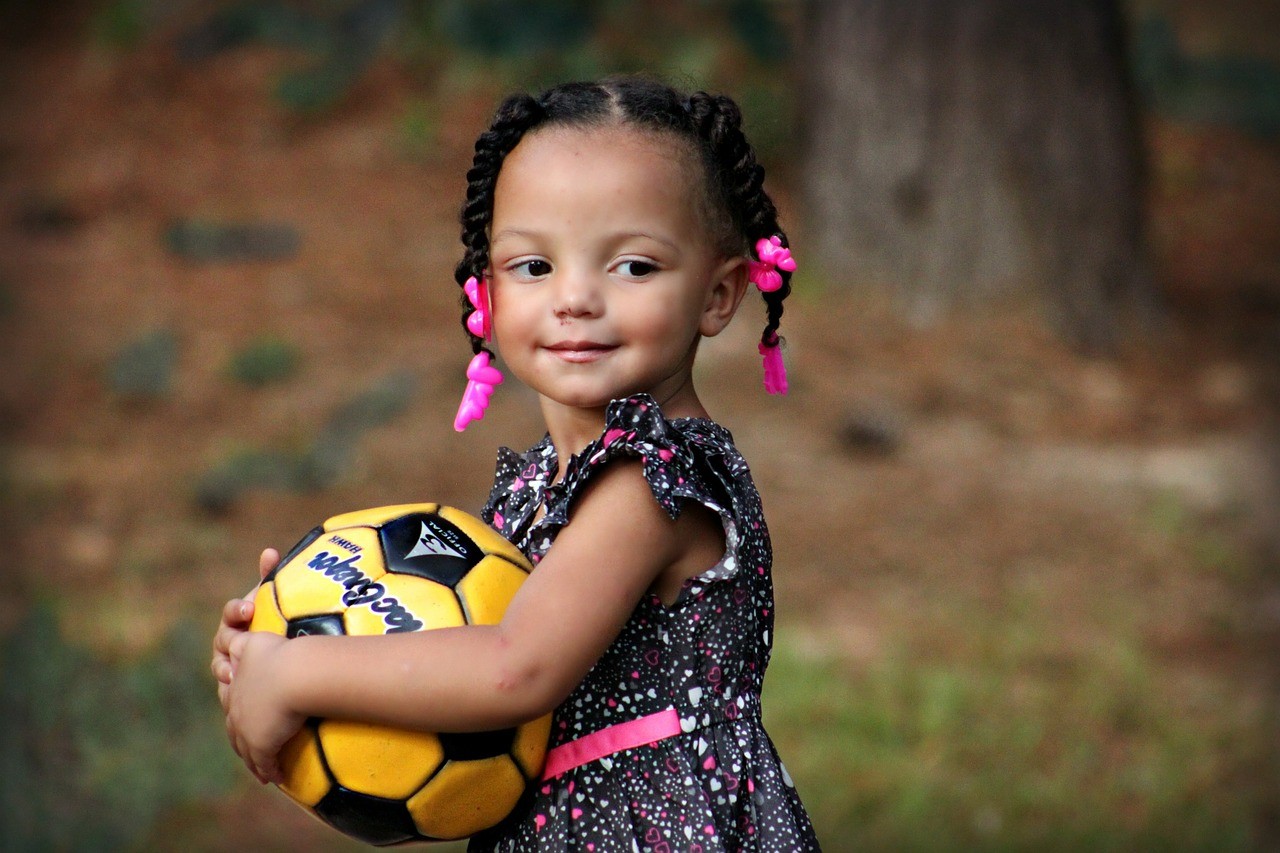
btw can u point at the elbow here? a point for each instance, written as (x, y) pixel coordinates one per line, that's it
(524, 683)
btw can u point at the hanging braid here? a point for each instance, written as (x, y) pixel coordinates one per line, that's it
(515, 116)
(739, 209)
(741, 179)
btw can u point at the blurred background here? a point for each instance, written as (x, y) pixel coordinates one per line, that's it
(1023, 493)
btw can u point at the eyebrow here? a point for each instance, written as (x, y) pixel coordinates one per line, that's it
(521, 232)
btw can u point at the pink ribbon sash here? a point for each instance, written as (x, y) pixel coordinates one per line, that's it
(597, 745)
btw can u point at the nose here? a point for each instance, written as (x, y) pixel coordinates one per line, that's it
(577, 294)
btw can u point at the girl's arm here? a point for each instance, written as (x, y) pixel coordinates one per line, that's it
(618, 544)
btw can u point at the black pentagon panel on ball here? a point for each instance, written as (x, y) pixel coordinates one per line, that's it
(430, 547)
(312, 535)
(329, 624)
(472, 746)
(372, 820)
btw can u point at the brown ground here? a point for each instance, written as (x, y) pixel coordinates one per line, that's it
(1021, 464)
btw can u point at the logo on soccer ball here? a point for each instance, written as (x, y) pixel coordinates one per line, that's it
(432, 543)
(389, 570)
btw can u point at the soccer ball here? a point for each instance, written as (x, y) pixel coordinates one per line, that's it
(395, 569)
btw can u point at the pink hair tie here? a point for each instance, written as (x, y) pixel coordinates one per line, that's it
(482, 378)
(479, 321)
(775, 372)
(773, 257)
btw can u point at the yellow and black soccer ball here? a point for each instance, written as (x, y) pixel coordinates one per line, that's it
(394, 569)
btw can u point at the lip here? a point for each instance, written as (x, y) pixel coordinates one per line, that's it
(580, 352)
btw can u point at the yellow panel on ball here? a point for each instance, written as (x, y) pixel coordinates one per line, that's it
(400, 604)
(266, 613)
(488, 588)
(379, 760)
(490, 540)
(315, 580)
(377, 516)
(467, 796)
(304, 778)
(530, 747)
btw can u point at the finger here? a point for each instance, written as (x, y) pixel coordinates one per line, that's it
(233, 737)
(241, 748)
(268, 768)
(267, 561)
(235, 648)
(221, 667)
(222, 639)
(236, 613)
(224, 697)
(254, 769)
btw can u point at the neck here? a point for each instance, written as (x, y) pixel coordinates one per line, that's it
(572, 428)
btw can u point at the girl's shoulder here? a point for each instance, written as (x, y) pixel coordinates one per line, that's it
(682, 458)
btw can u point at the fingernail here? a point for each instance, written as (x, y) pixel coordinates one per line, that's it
(244, 610)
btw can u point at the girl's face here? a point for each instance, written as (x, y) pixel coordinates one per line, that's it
(603, 274)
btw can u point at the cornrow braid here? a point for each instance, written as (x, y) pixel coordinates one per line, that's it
(513, 119)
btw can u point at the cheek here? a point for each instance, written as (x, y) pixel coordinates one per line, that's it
(668, 323)
(509, 312)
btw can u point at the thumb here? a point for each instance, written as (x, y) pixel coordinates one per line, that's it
(268, 561)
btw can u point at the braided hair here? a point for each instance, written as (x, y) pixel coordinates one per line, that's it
(738, 209)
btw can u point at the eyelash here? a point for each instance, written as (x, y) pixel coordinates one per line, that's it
(516, 269)
(523, 269)
(650, 264)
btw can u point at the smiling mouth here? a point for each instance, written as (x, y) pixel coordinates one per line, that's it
(580, 352)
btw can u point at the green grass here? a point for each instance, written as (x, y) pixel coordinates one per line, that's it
(264, 361)
(94, 752)
(1009, 744)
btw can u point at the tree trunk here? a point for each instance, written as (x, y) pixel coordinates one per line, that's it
(960, 151)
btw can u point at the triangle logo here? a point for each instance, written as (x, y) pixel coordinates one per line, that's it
(430, 544)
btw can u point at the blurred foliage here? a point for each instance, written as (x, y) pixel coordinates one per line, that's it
(1022, 747)
(453, 46)
(120, 24)
(264, 361)
(93, 752)
(144, 368)
(509, 28)
(420, 127)
(1241, 91)
(322, 463)
(201, 241)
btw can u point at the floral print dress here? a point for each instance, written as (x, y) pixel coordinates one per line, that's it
(718, 785)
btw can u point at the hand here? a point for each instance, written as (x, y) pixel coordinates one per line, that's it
(259, 722)
(236, 616)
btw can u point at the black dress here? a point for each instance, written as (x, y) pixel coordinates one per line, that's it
(718, 785)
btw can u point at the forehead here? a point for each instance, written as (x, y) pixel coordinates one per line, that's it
(611, 168)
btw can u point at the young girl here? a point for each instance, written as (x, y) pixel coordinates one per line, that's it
(608, 228)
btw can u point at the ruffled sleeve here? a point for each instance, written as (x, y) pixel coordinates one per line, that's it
(675, 465)
(518, 484)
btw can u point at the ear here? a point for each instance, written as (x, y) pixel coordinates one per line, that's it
(729, 285)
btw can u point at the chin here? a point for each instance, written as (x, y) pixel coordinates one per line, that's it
(590, 398)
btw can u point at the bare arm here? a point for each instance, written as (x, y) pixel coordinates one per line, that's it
(478, 677)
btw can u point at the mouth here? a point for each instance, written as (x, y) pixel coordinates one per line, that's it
(580, 352)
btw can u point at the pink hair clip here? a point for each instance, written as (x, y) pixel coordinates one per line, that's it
(482, 378)
(773, 257)
(775, 372)
(479, 321)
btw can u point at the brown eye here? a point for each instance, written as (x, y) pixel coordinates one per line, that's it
(535, 268)
(636, 269)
